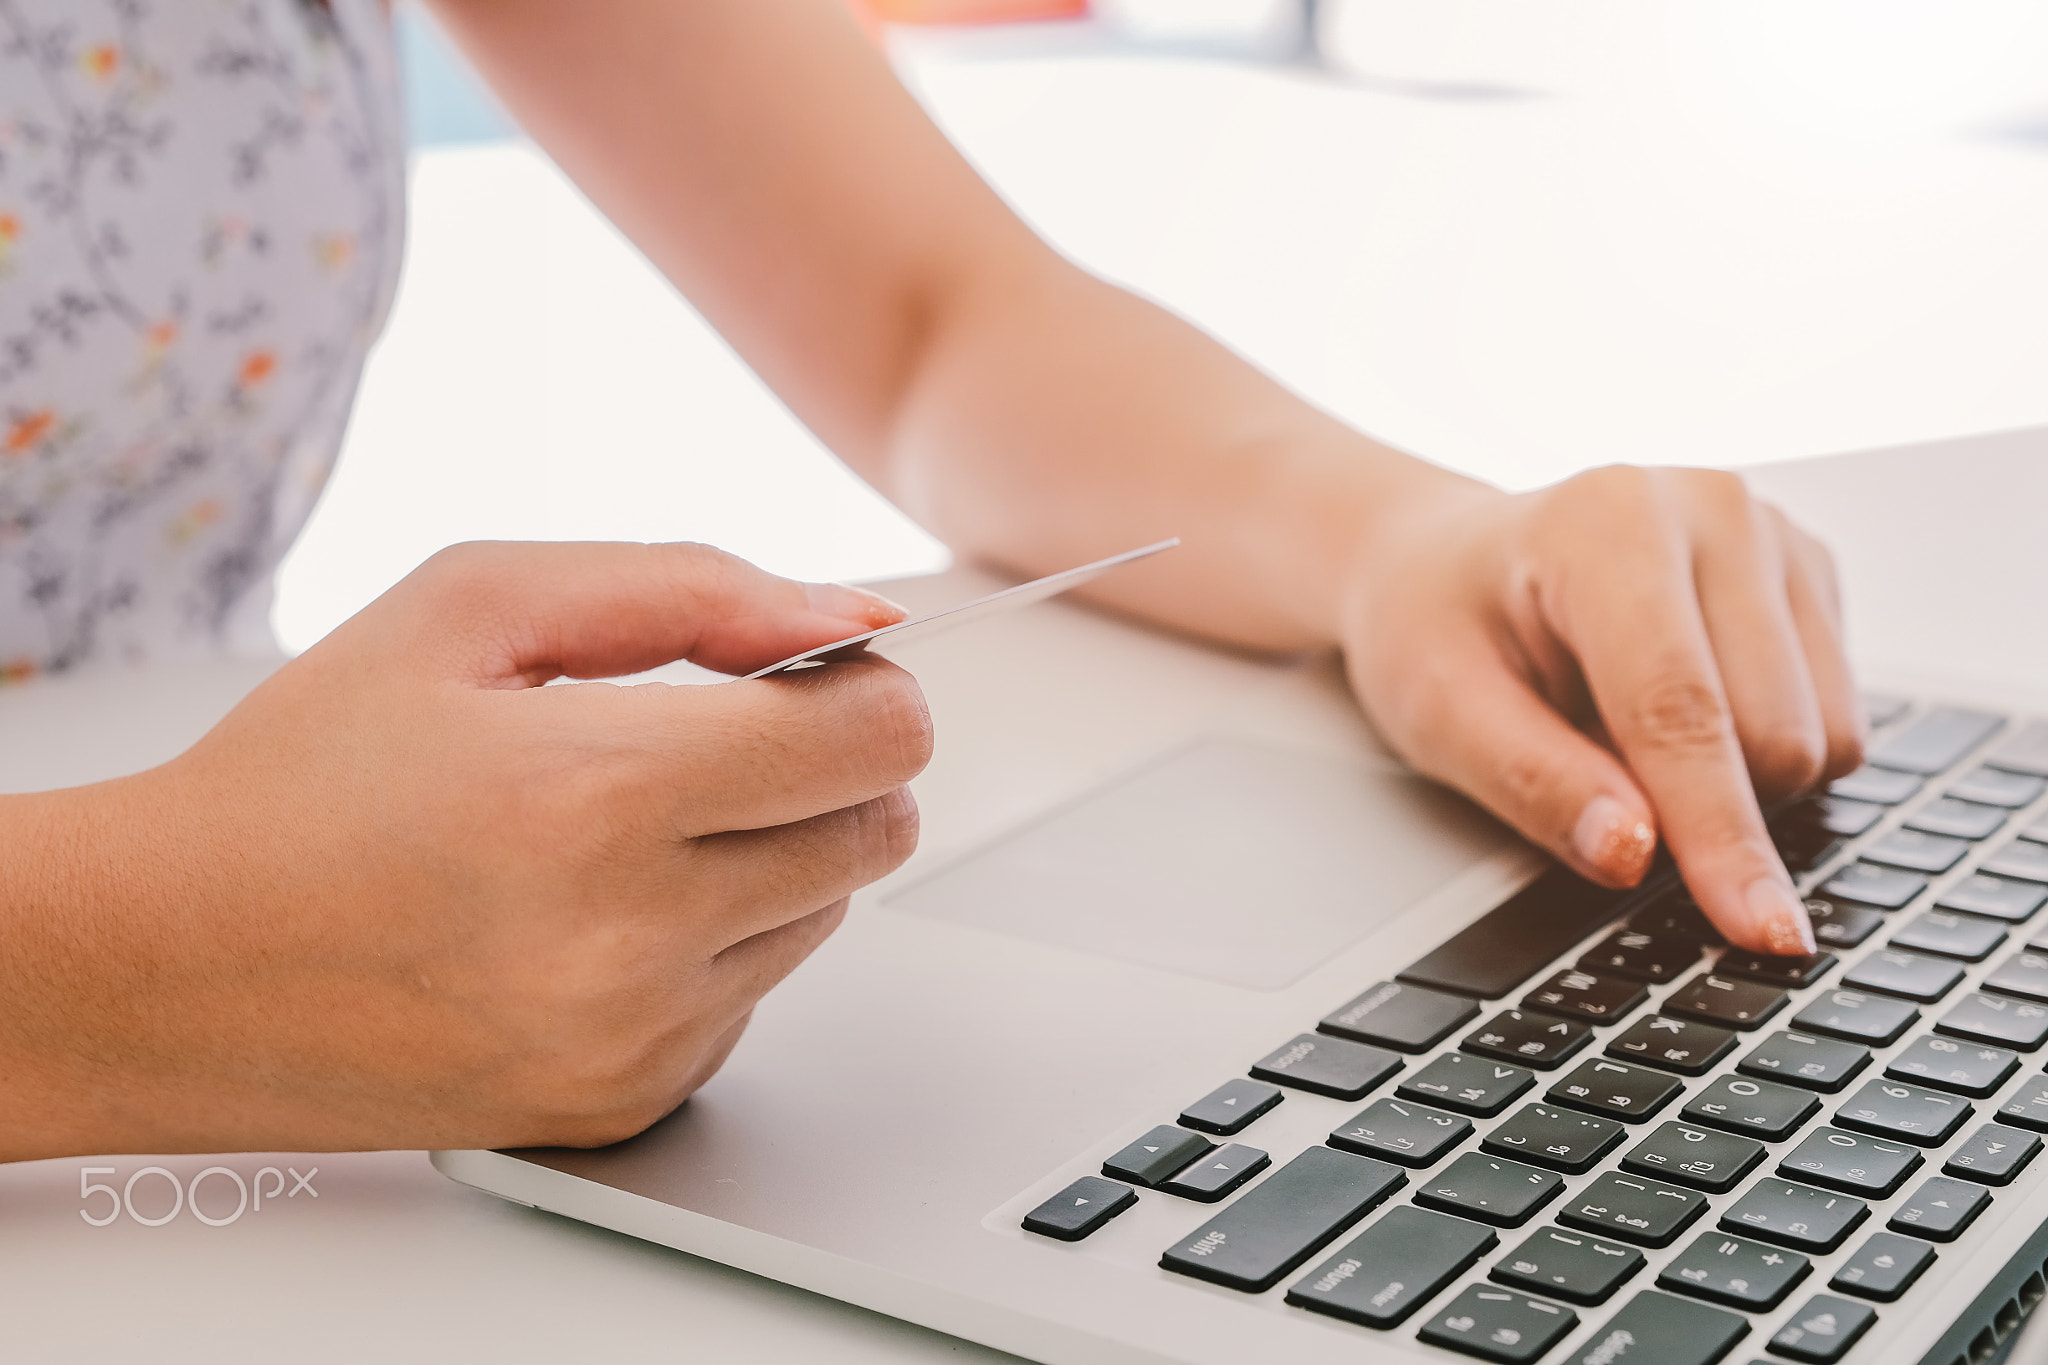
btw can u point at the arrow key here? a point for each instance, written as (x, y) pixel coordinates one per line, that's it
(1080, 1209)
(1940, 1209)
(1218, 1173)
(1823, 1331)
(1230, 1107)
(1993, 1155)
(1157, 1155)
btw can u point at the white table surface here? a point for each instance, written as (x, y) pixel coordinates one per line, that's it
(1521, 238)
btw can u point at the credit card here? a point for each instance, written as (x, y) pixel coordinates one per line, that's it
(1009, 599)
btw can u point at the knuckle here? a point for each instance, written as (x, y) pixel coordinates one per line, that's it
(1679, 713)
(1787, 762)
(899, 725)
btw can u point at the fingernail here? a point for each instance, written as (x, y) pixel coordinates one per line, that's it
(847, 603)
(1787, 930)
(1614, 840)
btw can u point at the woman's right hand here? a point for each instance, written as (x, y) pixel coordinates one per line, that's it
(405, 896)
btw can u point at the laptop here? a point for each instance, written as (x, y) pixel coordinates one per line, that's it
(1198, 1030)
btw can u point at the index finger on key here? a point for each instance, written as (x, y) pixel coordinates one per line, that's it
(1644, 648)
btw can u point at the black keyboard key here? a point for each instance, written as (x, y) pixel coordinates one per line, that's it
(1517, 938)
(1940, 1209)
(1868, 884)
(1998, 897)
(1993, 1155)
(2028, 1106)
(1405, 1018)
(1394, 1267)
(1556, 1138)
(1824, 1064)
(2024, 752)
(1947, 1064)
(1762, 1109)
(1792, 973)
(1080, 1209)
(1217, 1175)
(1616, 1090)
(2023, 974)
(1490, 1189)
(1936, 739)
(1882, 786)
(1543, 1041)
(1682, 1045)
(1912, 975)
(1884, 1267)
(1823, 1331)
(1643, 955)
(2022, 858)
(1809, 833)
(1283, 1220)
(1735, 1271)
(1969, 937)
(1957, 819)
(1634, 1208)
(1499, 1324)
(1674, 914)
(1996, 787)
(1470, 1085)
(1328, 1066)
(1908, 1113)
(1917, 852)
(1795, 1215)
(1877, 1020)
(1398, 1130)
(1568, 1265)
(1230, 1107)
(1157, 1155)
(1998, 1020)
(1725, 1001)
(1587, 995)
(1699, 1157)
(1854, 1164)
(1658, 1329)
(1837, 924)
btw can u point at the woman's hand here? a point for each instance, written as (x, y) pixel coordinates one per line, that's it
(1627, 654)
(405, 896)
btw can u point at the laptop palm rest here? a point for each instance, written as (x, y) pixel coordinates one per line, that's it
(1230, 860)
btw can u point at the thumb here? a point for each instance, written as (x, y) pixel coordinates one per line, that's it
(513, 614)
(1492, 736)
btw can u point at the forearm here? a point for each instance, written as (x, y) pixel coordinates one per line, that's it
(1054, 418)
(1026, 412)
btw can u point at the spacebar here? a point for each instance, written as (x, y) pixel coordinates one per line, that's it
(1517, 938)
(1284, 1220)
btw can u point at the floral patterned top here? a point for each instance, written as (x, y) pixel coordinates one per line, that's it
(201, 208)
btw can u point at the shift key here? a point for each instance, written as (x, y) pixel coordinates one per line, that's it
(1284, 1220)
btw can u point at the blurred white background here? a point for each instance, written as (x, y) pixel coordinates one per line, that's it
(1519, 237)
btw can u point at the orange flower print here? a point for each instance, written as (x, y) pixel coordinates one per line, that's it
(17, 671)
(101, 61)
(195, 519)
(158, 339)
(10, 233)
(334, 252)
(257, 366)
(27, 430)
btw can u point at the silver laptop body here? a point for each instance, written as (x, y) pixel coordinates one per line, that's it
(1147, 865)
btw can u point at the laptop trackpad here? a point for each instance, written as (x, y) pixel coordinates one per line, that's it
(1229, 860)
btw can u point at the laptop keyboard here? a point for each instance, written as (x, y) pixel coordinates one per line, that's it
(1586, 1107)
